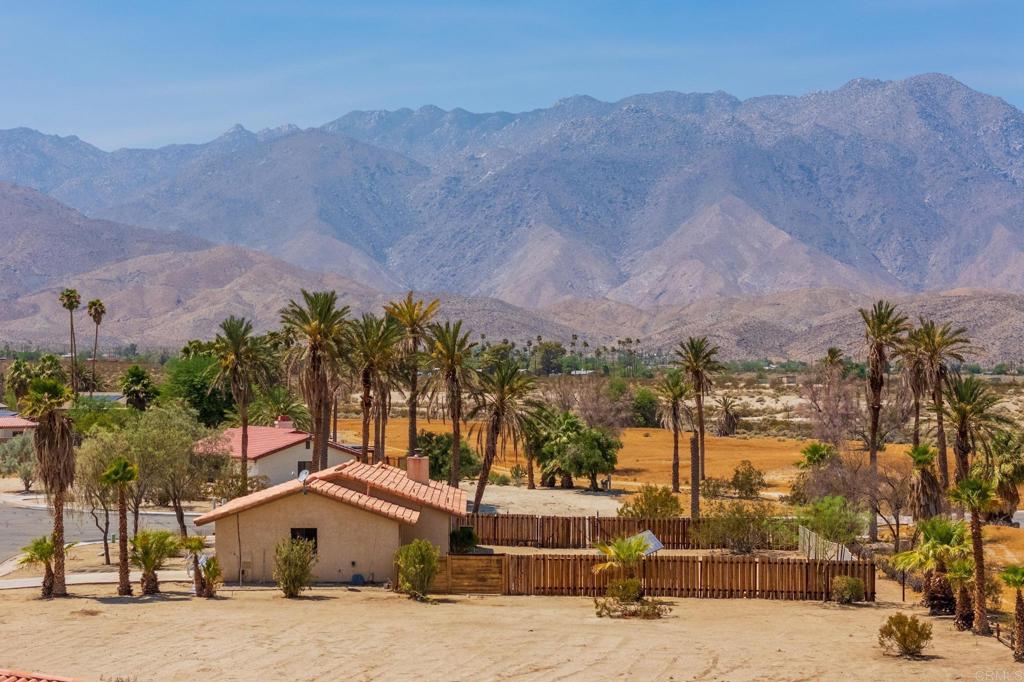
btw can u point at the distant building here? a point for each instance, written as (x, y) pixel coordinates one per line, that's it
(13, 426)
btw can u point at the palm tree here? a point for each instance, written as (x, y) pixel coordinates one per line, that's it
(54, 444)
(373, 342)
(70, 300)
(883, 328)
(971, 408)
(317, 327)
(273, 402)
(138, 388)
(194, 545)
(696, 357)
(96, 311)
(926, 493)
(673, 391)
(1004, 467)
(243, 362)
(960, 575)
(414, 316)
(976, 495)
(503, 405)
(150, 549)
(536, 430)
(728, 420)
(622, 553)
(450, 350)
(834, 357)
(19, 375)
(1013, 577)
(120, 475)
(914, 374)
(941, 542)
(941, 345)
(40, 551)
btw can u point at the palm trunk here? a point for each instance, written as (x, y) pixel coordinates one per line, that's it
(962, 450)
(876, 411)
(1018, 629)
(124, 585)
(456, 467)
(964, 615)
(95, 350)
(197, 577)
(74, 382)
(334, 420)
(413, 395)
(700, 433)
(981, 626)
(47, 586)
(940, 436)
(490, 451)
(243, 414)
(325, 428)
(916, 437)
(530, 483)
(366, 403)
(179, 515)
(60, 589)
(694, 478)
(675, 448)
(150, 584)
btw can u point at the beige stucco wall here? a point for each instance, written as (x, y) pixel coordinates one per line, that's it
(280, 466)
(8, 434)
(433, 525)
(344, 534)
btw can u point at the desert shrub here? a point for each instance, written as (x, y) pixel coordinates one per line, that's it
(27, 473)
(847, 590)
(651, 502)
(712, 488)
(438, 447)
(834, 518)
(16, 452)
(293, 565)
(213, 577)
(518, 474)
(742, 527)
(463, 539)
(905, 635)
(645, 408)
(747, 480)
(624, 590)
(494, 478)
(418, 563)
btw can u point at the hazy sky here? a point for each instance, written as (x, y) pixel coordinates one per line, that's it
(151, 73)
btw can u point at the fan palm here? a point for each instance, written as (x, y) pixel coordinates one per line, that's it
(1013, 577)
(19, 375)
(503, 406)
(883, 329)
(70, 301)
(673, 390)
(696, 357)
(40, 551)
(926, 492)
(960, 575)
(373, 345)
(622, 553)
(243, 362)
(273, 402)
(977, 495)
(414, 316)
(150, 549)
(316, 326)
(120, 475)
(54, 444)
(536, 430)
(96, 311)
(941, 346)
(449, 351)
(1004, 467)
(138, 388)
(972, 409)
(941, 542)
(194, 545)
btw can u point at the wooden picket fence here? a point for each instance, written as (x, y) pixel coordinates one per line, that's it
(715, 577)
(576, 532)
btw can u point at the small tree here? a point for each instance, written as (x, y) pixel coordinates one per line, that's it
(418, 563)
(293, 565)
(40, 551)
(1013, 576)
(905, 635)
(150, 549)
(213, 577)
(652, 502)
(138, 388)
(833, 518)
(195, 545)
(593, 452)
(624, 554)
(119, 475)
(747, 480)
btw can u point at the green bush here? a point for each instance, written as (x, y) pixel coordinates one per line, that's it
(518, 473)
(743, 527)
(651, 502)
(834, 518)
(438, 447)
(847, 590)
(293, 565)
(905, 635)
(463, 540)
(712, 488)
(747, 480)
(418, 563)
(645, 408)
(494, 478)
(626, 590)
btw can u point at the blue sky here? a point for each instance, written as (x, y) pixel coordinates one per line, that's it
(151, 73)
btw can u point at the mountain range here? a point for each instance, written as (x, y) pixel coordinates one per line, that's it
(764, 222)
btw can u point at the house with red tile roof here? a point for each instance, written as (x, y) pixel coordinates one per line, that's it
(281, 451)
(13, 426)
(358, 515)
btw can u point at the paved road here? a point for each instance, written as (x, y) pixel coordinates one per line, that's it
(19, 525)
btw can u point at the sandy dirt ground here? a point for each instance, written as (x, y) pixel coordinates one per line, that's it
(376, 635)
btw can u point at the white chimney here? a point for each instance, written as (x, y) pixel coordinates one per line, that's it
(284, 422)
(417, 468)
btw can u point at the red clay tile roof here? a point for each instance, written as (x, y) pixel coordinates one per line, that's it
(16, 422)
(19, 676)
(392, 480)
(266, 440)
(327, 489)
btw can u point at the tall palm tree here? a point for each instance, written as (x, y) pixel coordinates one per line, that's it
(120, 475)
(697, 358)
(244, 361)
(503, 406)
(883, 330)
(914, 374)
(976, 495)
(673, 390)
(941, 345)
(414, 316)
(54, 445)
(1013, 577)
(70, 301)
(449, 351)
(972, 409)
(373, 345)
(317, 328)
(926, 492)
(96, 311)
